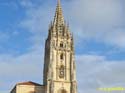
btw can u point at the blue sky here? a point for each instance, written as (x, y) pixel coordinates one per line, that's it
(99, 32)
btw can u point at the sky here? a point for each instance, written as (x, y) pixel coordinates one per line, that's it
(99, 34)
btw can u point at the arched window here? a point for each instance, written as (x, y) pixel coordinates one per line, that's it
(62, 91)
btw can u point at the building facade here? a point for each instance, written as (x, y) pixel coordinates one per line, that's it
(28, 87)
(59, 61)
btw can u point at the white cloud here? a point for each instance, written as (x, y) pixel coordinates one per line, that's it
(97, 20)
(106, 12)
(116, 37)
(23, 64)
(37, 22)
(26, 67)
(98, 72)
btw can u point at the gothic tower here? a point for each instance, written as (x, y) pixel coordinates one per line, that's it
(59, 63)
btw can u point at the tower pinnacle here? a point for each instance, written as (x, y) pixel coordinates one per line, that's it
(58, 19)
(58, 2)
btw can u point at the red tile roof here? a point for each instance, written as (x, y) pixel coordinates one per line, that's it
(29, 83)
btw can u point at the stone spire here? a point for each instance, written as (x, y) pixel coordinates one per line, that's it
(59, 27)
(58, 19)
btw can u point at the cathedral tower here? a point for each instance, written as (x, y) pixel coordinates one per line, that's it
(59, 62)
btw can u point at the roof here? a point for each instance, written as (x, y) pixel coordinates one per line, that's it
(29, 83)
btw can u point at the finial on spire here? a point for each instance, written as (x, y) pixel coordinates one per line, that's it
(58, 2)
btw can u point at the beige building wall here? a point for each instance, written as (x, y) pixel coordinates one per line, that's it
(28, 89)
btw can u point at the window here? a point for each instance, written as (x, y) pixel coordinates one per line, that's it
(61, 28)
(62, 91)
(61, 44)
(61, 56)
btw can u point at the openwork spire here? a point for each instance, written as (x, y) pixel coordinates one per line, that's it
(59, 27)
(58, 19)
